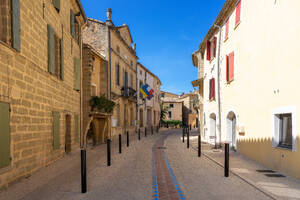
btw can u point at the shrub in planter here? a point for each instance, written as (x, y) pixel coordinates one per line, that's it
(102, 104)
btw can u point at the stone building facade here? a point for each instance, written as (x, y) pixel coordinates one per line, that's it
(148, 111)
(174, 104)
(95, 69)
(116, 45)
(40, 67)
(189, 113)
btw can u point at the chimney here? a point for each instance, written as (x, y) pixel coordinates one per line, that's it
(134, 46)
(108, 15)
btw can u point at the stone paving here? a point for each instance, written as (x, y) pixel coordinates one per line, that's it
(157, 167)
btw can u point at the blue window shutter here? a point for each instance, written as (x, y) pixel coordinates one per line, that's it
(72, 23)
(16, 42)
(4, 135)
(51, 50)
(62, 59)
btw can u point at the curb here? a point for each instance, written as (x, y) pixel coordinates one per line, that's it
(238, 175)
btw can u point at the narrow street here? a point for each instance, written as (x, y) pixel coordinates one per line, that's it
(157, 167)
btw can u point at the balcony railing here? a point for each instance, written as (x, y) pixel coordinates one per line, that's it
(128, 92)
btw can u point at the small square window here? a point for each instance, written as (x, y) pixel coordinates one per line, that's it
(285, 130)
(170, 115)
(171, 105)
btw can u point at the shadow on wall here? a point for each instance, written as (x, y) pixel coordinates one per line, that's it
(279, 159)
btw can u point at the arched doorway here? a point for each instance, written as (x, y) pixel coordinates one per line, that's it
(213, 134)
(141, 118)
(231, 129)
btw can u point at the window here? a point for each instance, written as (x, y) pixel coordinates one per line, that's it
(131, 117)
(118, 115)
(227, 29)
(10, 23)
(238, 13)
(56, 4)
(171, 105)
(75, 27)
(118, 49)
(117, 74)
(131, 81)
(208, 55)
(55, 54)
(93, 90)
(170, 114)
(284, 132)
(131, 63)
(56, 130)
(230, 67)
(212, 89)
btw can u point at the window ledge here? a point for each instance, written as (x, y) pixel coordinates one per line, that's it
(8, 46)
(237, 25)
(283, 148)
(226, 39)
(229, 82)
(211, 60)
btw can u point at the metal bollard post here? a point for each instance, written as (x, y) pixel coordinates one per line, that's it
(190, 126)
(188, 140)
(83, 170)
(108, 152)
(199, 145)
(120, 143)
(139, 134)
(151, 130)
(145, 131)
(226, 165)
(127, 138)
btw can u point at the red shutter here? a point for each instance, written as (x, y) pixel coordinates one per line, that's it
(208, 50)
(214, 46)
(231, 66)
(227, 68)
(213, 88)
(227, 29)
(238, 13)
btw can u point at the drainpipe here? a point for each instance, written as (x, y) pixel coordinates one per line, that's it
(219, 87)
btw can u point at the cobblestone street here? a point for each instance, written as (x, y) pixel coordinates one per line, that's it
(158, 167)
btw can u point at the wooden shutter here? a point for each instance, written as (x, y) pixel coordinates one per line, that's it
(77, 74)
(61, 59)
(227, 68)
(227, 29)
(213, 88)
(56, 130)
(208, 50)
(4, 135)
(72, 23)
(231, 66)
(16, 43)
(238, 13)
(76, 128)
(56, 4)
(214, 46)
(51, 50)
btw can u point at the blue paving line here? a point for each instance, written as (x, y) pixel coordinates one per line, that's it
(180, 193)
(155, 189)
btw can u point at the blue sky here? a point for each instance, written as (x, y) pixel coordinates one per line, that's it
(166, 33)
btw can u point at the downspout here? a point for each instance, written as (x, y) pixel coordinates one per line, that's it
(219, 85)
(108, 71)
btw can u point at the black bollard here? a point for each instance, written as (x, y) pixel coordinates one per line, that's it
(183, 134)
(190, 126)
(199, 145)
(127, 138)
(226, 165)
(120, 143)
(139, 134)
(83, 171)
(108, 152)
(145, 131)
(188, 140)
(151, 130)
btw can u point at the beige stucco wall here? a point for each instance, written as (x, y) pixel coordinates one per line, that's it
(176, 110)
(266, 67)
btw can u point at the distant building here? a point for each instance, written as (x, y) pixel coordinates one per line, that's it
(174, 105)
(148, 110)
(116, 45)
(189, 110)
